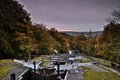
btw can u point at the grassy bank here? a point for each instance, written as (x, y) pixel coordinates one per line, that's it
(84, 60)
(5, 66)
(95, 75)
(38, 58)
(45, 63)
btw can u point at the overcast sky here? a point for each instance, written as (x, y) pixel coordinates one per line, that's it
(75, 15)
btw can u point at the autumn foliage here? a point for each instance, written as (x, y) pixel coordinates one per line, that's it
(19, 37)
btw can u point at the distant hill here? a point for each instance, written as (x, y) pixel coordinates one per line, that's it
(87, 34)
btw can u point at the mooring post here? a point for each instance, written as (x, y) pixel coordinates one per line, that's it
(58, 67)
(12, 76)
(34, 63)
(44, 73)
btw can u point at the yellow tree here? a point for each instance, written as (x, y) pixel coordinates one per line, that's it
(26, 43)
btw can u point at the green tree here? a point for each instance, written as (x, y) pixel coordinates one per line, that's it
(25, 43)
(12, 18)
(115, 18)
(108, 43)
(78, 42)
(61, 39)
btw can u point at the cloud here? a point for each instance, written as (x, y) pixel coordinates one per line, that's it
(71, 14)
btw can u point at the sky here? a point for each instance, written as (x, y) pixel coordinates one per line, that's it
(71, 15)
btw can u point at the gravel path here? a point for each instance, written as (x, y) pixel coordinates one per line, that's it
(76, 74)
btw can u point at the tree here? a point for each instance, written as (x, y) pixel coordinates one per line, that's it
(78, 42)
(12, 18)
(25, 43)
(10, 7)
(61, 39)
(115, 16)
(108, 43)
(90, 46)
(19, 37)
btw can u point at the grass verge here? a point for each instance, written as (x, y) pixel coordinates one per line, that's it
(38, 58)
(95, 75)
(84, 60)
(45, 63)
